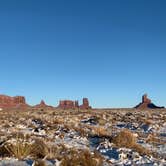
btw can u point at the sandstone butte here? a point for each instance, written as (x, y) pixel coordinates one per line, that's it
(147, 104)
(69, 104)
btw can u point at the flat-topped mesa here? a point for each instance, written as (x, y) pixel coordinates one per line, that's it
(147, 104)
(12, 102)
(42, 105)
(66, 104)
(19, 100)
(70, 104)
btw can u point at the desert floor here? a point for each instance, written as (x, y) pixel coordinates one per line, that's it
(82, 137)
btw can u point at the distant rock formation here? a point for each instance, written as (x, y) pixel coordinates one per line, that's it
(85, 104)
(42, 105)
(69, 104)
(20, 102)
(145, 99)
(146, 104)
(12, 102)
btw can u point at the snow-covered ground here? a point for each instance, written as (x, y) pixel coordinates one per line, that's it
(93, 130)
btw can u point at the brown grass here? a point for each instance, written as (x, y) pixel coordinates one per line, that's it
(100, 131)
(82, 158)
(20, 150)
(126, 139)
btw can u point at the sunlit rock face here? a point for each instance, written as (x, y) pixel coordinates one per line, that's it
(147, 104)
(69, 104)
(66, 104)
(11, 102)
(85, 104)
(145, 99)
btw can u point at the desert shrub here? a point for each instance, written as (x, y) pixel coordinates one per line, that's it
(48, 151)
(19, 149)
(82, 158)
(125, 138)
(82, 132)
(51, 152)
(100, 131)
(39, 149)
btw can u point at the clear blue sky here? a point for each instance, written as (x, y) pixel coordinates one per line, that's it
(111, 51)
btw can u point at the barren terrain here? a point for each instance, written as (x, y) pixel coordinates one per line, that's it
(82, 137)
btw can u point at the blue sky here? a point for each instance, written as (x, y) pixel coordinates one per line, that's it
(111, 51)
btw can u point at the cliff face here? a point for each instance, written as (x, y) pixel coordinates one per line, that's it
(10, 102)
(85, 104)
(69, 104)
(146, 103)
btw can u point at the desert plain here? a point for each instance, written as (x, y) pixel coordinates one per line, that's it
(91, 137)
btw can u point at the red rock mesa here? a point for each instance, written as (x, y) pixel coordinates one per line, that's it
(69, 104)
(12, 102)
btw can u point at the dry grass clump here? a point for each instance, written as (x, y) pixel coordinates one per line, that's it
(39, 148)
(125, 138)
(99, 131)
(58, 121)
(82, 132)
(53, 152)
(81, 158)
(49, 150)
(20, 149)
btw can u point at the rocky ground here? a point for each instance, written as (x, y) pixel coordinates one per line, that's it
(82, 137)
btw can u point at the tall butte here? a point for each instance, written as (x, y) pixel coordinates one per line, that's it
(146, 103)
